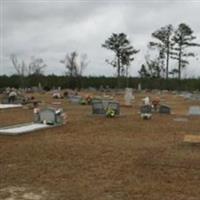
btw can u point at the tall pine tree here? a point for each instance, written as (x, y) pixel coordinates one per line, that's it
(182, 41)
(163, 44)
(123, 50)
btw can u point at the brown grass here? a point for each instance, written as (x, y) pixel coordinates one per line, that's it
(95, 158)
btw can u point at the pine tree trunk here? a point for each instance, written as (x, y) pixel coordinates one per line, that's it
(167, 62)
(179, 63)
(118, 73)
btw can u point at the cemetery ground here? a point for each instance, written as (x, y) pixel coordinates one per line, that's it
(96, 158)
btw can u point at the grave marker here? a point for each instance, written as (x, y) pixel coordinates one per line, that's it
(194, 110)
(164, 109)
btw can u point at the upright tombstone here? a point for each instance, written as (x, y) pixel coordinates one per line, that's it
(100, 107)
(194, 110)
(74, 99)
(164, 109)
(128, 97)
(12, 99)
(139, 87)
(146, 111)
(49, 116)
(146, 101)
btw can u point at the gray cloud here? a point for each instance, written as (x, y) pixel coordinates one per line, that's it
(50, 29)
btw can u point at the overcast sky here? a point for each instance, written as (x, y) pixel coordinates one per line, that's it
(52, 28)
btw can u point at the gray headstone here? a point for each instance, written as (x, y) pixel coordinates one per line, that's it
(145, 109)
(164, 109)
(49, 115)
(101, 106)
(75, 99)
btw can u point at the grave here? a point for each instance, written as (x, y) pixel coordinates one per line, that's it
(100, 107)
(45, 118)
(195, 139)
(180, 119)
(5, 106)
(16, 100)
(146, 111)
(74, 99)
(194, 110)
(49, 116)
(164, 109)
(128, 97)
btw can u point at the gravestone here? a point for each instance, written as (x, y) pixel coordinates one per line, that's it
(146, 101)
(194, 110)
(114, 106)
(100, 107)
(17, 100)
(128, 97)
(139, 87)
(146, 111)
(164, 109)
(74, 99)
(49, 116)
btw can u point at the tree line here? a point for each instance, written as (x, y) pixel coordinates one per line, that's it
(49, 82)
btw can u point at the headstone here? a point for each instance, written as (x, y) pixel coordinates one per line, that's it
(194, 110)
(56, 94)
(139, 87)
(15, 100)
(146, 111)
(128, 97)
(49, 116)
(146, 101)
(164, 109)
(100, 107)
(74, 99)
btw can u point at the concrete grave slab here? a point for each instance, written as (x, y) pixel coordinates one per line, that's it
(192, 139)
(5, 106)
(180, 119)
(22, 128)
(194, 111)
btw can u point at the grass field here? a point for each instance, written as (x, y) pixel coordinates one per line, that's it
(96, 158)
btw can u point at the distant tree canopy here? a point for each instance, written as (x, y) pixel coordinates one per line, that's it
(53, 81)
(120, 45)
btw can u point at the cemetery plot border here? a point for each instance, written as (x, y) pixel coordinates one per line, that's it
(24, 128)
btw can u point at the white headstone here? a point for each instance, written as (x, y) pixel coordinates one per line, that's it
(139, 87)
(128, 97)
(146, 101)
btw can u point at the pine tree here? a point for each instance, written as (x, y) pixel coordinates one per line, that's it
(164, 44)
(120, 45)
(182, 40)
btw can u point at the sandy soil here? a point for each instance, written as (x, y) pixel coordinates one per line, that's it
(95, 158)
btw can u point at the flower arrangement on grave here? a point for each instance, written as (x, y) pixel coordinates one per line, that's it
(110, 113)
